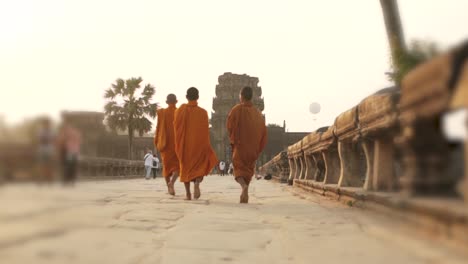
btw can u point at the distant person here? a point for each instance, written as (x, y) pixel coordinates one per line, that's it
(148, 159)
(192, 142)
(248, 137)
(45, 150)
(164, 141)
(231, 169)
(69, 143)
(222, 167)
(155, 168)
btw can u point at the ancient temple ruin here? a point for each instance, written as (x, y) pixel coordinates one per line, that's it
(227, 96)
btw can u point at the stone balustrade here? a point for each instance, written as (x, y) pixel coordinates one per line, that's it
(278, 167)
(392, 141)
(108, 167)
(14, 168)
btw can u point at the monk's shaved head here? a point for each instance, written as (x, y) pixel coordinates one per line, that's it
(247, 93)
(171, 99)
(192, 94)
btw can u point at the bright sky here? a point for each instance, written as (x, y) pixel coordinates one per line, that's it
(63, 54)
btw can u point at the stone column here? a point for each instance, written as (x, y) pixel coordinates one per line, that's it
(310, 167)
(297, 166)
(284, 172)
(302, 161)
(332, 165)
(368, 146)
(425, 156)
(465, 188)
(292, 171)
(384, 176)
(317, 162)
(350, 165)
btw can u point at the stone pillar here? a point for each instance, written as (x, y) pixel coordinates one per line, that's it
(310, 167)
(425, 156)
(384, 176)
(368, 146)
(465, 188)
(292, 171)
(302, 174)
(350, 165)
(318, 163)
(284, 172)
(297, 166)
(332, 165)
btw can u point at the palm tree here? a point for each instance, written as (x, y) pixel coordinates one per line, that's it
(126, 110)
(395, 33)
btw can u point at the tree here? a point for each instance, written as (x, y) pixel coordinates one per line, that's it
(403, 59)
(418, 52)
(395, 35)
(273, 125)
(128, 110)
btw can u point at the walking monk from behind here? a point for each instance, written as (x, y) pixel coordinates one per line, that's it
(164, 141)
(247, 133)
(192, 143)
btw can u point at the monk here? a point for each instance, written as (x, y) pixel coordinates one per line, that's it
(192, 143)
(164, 142)
(247, 134)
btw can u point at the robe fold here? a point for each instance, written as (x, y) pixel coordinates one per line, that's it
(248, 137)
(164, 140)
(192, 142)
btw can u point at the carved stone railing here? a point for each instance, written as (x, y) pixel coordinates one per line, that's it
(392, 141)
(349, 148)
(278, 167)
(378, 123)
(18, 163)
(315, 166)
(108, 167)
(295, 156)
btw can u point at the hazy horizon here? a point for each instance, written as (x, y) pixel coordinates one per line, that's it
(62, 55)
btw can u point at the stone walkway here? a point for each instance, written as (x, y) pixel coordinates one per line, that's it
(135, 221)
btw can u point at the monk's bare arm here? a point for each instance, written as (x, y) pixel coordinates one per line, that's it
(177, 127)
(158, 128)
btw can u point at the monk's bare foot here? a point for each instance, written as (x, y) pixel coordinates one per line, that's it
(197, 192)
(171, 183)
(170, 189)
(244, 198)
(188, 197)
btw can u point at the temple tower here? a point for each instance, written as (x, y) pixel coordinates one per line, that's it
(227, 96)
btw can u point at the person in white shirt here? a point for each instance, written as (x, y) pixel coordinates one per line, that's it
(231, 169)
(222, 166)
(156, 166)
(148, 164)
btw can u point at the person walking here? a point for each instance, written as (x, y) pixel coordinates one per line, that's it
(156, 166)
(148, 159)
(69, 142)
(222, 167)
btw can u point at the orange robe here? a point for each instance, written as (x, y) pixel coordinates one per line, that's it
(192, 142)
(248, 136)
(164, 140)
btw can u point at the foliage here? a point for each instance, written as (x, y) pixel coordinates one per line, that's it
(273, 125)
(417, 53)
(126, 109)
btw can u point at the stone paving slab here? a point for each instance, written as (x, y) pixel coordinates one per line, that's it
(135, 221)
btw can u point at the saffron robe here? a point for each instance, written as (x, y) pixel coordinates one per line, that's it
(164, 140)
(248, 137)
(192, 142)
